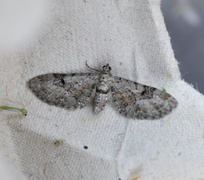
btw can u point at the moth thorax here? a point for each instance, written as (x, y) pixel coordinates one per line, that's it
(105, 77)
(102, 87)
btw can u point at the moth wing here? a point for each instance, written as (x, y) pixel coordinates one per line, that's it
(64, 90)
(135, 100)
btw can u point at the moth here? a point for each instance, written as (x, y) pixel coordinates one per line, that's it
(76, 90)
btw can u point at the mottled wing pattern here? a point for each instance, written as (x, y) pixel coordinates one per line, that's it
(64, 90)
(135, 100)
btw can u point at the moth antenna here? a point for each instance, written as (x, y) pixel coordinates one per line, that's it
(91, 67)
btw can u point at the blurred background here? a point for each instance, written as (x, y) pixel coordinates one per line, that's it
(185, 23)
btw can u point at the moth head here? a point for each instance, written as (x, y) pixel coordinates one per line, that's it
(106, 68)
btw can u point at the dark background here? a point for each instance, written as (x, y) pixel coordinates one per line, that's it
(185, 23)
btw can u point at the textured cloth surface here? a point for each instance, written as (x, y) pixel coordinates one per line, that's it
(53, 143)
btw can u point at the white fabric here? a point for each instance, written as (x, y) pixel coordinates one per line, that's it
(132, 38)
